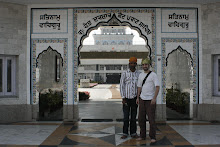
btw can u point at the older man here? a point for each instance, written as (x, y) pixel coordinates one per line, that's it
(148, 89)
(128, 90)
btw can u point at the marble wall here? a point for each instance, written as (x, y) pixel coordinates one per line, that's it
(209, 109)
(64, 29)
(13, 41)
(164, 30)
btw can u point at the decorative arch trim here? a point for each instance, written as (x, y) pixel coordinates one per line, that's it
(64, 41)
(49, 49)
(181, 50)
(194, 57)
(113, 21)
(77, 42)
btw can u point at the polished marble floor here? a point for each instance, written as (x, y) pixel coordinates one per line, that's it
(169, 134)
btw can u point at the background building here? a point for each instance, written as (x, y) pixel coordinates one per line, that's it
(104, 61)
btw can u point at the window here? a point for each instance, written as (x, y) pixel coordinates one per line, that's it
(217, 75)
(98, 43)
(113, 43)
(89, 67)
(113, 67)
(121, 43)
(139, 67)
(101, 67)
(7, 75)
(125, 67)
(105, 43)
(97, 67)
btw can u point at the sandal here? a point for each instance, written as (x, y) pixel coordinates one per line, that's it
(139, 139)
(124, 137)
(153, 140)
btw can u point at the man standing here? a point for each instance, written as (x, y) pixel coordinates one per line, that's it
(128, 90)
(148, 89)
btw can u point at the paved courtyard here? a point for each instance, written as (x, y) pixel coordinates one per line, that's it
(104, 103)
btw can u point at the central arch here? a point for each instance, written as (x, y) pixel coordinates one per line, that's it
(94, 57)
(143, 20)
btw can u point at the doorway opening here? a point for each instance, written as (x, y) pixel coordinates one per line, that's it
(49, 83)
(103, 57)
(179, 72)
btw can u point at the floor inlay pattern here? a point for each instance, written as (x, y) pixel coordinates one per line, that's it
(106, 134)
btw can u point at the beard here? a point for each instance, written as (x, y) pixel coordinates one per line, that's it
(145, 69)
(132, 67)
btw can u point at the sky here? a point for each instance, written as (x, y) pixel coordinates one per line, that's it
(137, 40)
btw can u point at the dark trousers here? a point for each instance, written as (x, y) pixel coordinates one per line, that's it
(146, 108)
(130, 109)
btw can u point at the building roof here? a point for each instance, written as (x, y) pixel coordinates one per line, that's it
(95, 2)
(112, 55)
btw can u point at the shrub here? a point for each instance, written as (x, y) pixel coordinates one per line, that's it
(84, 95)
(51, 100)
(177, 100)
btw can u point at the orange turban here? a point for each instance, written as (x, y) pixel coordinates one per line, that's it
(133, 59)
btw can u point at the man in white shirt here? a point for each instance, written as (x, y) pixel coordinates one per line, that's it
(128, 90)
(146, 98)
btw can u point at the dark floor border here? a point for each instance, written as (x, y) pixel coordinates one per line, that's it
(97, 120)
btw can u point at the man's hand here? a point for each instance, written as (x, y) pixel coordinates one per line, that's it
(153, 101)
(123, 101)
(137, 101)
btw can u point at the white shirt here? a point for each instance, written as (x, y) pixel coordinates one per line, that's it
(128, 84)
(149, 87)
